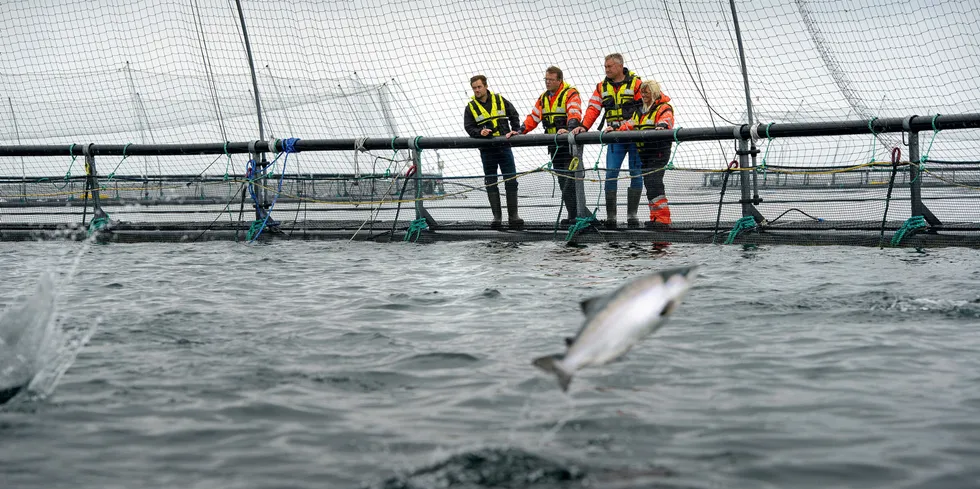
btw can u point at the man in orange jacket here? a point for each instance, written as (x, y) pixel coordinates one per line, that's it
(656, 114)
(558, 109)
(619, 95)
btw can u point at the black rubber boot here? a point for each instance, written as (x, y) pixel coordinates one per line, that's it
(568, 195)
(632, 204)
(610, 209)
(493, 195)
(513, 220)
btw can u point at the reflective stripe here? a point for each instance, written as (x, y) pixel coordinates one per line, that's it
(555, 116)
(649, 119)
(624, 95)
(498, 111)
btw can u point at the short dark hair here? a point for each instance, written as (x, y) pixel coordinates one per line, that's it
(480, 78)
(554, 70)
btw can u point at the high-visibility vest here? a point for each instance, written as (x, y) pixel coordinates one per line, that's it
(647, 121)
(555, 117)
(489, 120)
(619, 104)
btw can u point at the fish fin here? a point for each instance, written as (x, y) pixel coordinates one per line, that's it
(10, 392)
(551, 364)
(570, 340)
(687, 272)
(590, 305)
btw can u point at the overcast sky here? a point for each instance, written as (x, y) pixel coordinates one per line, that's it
(325, 66)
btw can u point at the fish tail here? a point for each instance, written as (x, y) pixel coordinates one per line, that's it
(552, 364)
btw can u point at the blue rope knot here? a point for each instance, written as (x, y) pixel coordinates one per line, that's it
(909, 227)
(744, 224)
(289, 145)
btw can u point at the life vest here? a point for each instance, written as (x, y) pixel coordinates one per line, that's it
(489, 120)
(648, 121)
(555, 117)
(620, 104)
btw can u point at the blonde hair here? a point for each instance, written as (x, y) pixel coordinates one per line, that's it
(654, 89)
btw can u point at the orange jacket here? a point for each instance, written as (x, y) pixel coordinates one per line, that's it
(616, 100)
(565, 113)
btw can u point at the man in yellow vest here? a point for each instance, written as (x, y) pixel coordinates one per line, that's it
(619, 95)
(490, 115)
(558, 109)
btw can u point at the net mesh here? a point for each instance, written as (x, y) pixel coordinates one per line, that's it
(110, 72)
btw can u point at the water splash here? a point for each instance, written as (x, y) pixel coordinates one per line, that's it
(29, 336)
(37, 346)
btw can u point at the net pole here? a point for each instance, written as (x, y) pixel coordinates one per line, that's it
(258, 108)
(251, 68)
(748, 108)
(915, 187)
(92, 184)
(915, 183)
(581, 206)
(23, 168)
(743, 162)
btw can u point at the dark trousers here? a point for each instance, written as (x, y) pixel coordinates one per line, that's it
(653, 172)
(561, 158)
(504, 159)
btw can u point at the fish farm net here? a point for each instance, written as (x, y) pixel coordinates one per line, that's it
(796, 122)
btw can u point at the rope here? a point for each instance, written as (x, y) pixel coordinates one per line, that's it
(227, 163)
(721, 199)
(925, 156)
(255, 230)
(896, 157)
(673, 154)
(909, 228)
(416, 228)
(874, 138)
(358, 148)
(113, 172)
(71, 151)
(794, 209)
(97, 224)
(580, 224)
(762, 167)
(744, 224)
